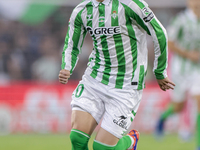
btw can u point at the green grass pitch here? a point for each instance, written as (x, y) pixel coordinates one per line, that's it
(62, 142)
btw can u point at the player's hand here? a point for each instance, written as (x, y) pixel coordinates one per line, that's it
(64, 76)
(165, 84)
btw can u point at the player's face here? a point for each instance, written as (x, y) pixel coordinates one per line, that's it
(195, 6)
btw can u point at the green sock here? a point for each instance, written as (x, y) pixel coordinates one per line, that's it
(123, 144)
(198, 129)
(79, 140)
(168, 112)
(101, 146)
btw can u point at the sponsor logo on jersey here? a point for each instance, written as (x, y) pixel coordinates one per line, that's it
(104, 30)
(121, 121)
(114, 14)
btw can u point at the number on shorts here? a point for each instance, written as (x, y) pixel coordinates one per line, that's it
(79, 90)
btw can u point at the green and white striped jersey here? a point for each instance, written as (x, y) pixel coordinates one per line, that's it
(118, 29)
(185, 32)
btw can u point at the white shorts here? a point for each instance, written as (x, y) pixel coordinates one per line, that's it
(117, 106)
(185, 85)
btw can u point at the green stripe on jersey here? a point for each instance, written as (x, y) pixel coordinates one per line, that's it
(139, 3)
(133, 42)
(141, 77)
(64, 49)
(107, 69)
(97, 60)
(119, 49)
(89, 17)
(89, 24)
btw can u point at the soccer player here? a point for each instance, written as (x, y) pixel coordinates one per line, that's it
(184, 42)
(111, 87)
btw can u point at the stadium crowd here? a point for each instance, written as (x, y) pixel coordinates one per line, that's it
(34, 52)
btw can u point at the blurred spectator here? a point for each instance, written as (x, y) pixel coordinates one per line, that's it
(3, 61)
(46, 68)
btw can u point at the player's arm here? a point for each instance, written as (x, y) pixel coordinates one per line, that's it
(191, 55)
(159, 36)
(153, 27)
(72, 46)
(160, 39)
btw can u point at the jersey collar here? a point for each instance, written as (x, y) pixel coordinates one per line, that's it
(105, 2)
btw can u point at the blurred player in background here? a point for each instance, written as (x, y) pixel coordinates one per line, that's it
(184, 42)
(112, 85)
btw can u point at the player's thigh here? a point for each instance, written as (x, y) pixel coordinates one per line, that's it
(120, 109)
(87, 107)
(83, 121)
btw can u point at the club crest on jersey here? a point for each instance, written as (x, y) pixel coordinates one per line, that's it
(114, 14)
(101, 19)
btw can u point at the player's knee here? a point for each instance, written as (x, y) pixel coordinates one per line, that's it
(79, 140)
(100, 146)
